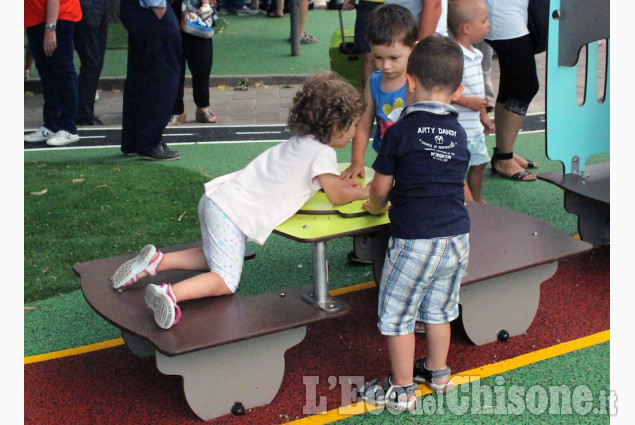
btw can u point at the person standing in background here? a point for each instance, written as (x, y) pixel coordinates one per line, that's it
(91, 36)
(198, 55)
(152, 78)
(50, 25)
(432, 15)
(509, 38)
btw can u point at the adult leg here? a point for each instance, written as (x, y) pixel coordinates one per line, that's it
(131, 13)
(58, 76)
(44, 65)
(200, 59)
(518, 85)
(91, 34)
(156, 45)
(66, 76)
(303, 13)
(179, 107)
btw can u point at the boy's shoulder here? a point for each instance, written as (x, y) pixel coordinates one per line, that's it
(375, 81)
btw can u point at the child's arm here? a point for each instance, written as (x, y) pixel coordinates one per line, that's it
(380, 187)
(472, 102)
(340, 191)
(488, 124)
(361, 137)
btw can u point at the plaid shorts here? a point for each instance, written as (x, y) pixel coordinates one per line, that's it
(420, 282)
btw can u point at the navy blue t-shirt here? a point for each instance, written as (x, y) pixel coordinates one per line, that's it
(426, 153)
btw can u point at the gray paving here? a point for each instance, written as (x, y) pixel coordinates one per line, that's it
(267, 100)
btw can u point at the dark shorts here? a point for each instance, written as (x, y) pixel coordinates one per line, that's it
(361, 23)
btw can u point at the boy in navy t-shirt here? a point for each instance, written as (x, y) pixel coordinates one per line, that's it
(420, 169)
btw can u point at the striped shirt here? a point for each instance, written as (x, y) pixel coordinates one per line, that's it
(474, 87)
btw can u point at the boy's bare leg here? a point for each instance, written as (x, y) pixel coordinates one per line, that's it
(438, 346)
(401, 349)
(475, 175)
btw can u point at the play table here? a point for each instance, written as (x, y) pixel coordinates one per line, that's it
(511, 254)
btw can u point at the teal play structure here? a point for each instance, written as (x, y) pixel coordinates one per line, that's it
(578, 110)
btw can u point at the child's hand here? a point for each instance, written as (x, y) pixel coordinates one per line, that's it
(368, 207)
(488, 124)
(349, 182)
(353, 171)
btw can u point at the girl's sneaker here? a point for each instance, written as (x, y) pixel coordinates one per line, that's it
(162, 301)
(145, 262)
(423, 375)
(387, 394)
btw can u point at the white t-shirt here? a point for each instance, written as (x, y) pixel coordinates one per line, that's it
(508, 19)
(273, 186)
(415, 6)
(474, 87)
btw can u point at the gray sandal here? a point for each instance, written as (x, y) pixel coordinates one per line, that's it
(423, 375)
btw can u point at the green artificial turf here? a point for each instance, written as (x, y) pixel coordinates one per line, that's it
(99, 204)
(252, 45)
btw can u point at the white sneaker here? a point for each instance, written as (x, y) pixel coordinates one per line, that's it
(162, 301)
(41, 135)
(62, 138)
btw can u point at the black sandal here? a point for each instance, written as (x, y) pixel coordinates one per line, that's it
(530, 163)
(519, 176)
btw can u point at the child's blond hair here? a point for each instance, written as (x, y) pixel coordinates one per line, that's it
(460, 12)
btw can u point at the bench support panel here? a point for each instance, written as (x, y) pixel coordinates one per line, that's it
(593, 217)
(248, 371)
(507, 302)
(139, 347)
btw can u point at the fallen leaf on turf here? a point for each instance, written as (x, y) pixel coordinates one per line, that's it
(181, 216)
(79, 180)
(102, 186)
(203, 173)
(27, 308)
(40, 193)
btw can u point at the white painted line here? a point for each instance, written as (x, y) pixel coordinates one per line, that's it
(220, 142)
(258, 132)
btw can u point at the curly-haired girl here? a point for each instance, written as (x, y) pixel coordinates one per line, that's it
(248, 204)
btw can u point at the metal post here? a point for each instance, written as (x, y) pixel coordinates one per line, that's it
(320, 297)
(294, 6)
(320, 273)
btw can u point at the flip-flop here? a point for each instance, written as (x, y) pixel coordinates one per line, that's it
(307, 39)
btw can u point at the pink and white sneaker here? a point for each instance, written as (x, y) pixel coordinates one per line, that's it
(162, 301)
(145, 262)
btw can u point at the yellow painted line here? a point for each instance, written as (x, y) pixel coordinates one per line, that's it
(74, 351)
(467, 376)
(353, 288)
